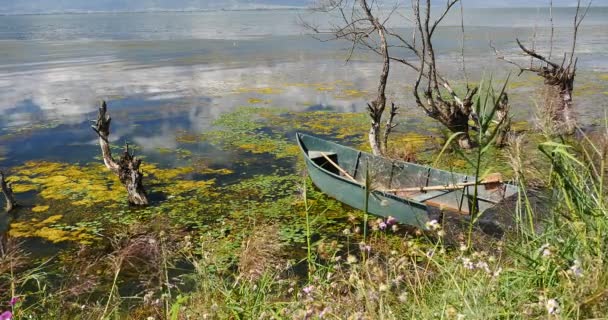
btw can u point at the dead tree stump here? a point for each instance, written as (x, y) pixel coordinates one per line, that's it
(127, 167)
(558, 76)
(503, 126)
(8, 193)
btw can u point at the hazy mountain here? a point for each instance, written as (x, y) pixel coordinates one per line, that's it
(45, 6)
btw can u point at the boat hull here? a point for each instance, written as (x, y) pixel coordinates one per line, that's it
(338, 171)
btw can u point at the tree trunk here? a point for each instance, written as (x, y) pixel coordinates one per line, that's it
(504, 122)
(131, 177)
(374, 138)
(8, 193)
(127, 168)
(457, 121)
(376, 107)
(558, 107)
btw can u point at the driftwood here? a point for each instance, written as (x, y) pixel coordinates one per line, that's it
(6, 189)
(127, 167)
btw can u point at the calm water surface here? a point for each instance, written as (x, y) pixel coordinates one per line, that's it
(169, 73)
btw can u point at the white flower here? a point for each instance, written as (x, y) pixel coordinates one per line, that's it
(460, 316)
(497, 272)
(403, 296)
(545, 250)
(576, 269)
(351, 259)
(484, 266)
(553, 306)
(346, 231)
(468, 264)
(433, 225)
(383, 288)
(463, 247)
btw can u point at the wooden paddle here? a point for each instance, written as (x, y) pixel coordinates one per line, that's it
(338, 167)
(492, 181)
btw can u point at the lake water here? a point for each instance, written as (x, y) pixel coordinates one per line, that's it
(166, 75)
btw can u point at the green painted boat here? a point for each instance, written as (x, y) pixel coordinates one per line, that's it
(411, 193)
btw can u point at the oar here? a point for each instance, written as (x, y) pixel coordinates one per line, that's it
(338, 167)
(493, 179)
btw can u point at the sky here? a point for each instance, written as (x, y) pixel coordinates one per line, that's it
(46, 6)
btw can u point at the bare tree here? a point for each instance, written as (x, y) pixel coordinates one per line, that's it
(558, 76)
(503, 121)
(127, 167)
(7, 191)
(432, 91)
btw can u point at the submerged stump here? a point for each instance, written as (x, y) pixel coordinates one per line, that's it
(7, 191)
(127, 167)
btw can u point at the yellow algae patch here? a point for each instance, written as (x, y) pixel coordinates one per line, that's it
(32, 168)
(93, 184)
(262, 90)
(603, 76)
(162, 150)
(351, 94)
(186, 137)
(84, 185)
(341, 125)
(255, 100)
(325, 88)
(163, 175)
(47, 230)
(23, 187)
(411, 140)
(204, 187)
(40, 208)
(520, 125)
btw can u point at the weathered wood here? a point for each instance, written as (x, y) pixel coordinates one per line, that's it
(503, 126)
(558, 77)
(6, 189)
(127, 168)
(339, 168)
(490, 181)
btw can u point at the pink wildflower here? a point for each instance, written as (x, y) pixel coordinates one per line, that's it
(391, 220)
(382, 225)
(13, 301)
(6, 315)
(308, 289)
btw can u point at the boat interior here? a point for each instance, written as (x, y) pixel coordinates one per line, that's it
(445, 190)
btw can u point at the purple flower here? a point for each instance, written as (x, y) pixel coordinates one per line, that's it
(391, 220)
(14, 301)
(6, 315)
(307, 290)
(365, 247)
(382, 225)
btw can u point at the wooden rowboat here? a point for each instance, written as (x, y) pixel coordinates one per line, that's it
(411, 193)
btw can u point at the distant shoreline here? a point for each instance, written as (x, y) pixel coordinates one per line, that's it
(79, 12)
